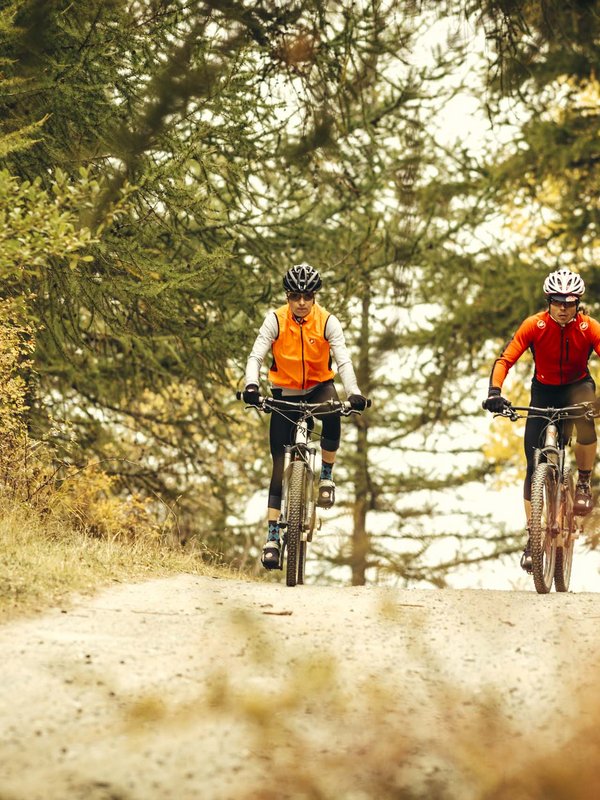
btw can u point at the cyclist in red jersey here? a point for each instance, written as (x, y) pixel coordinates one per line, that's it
(561, 340)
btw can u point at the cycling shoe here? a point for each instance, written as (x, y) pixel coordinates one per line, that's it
(270, 554)
(526, 560)
(583, 502)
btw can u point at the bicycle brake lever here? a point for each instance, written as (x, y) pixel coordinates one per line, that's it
(508, 412)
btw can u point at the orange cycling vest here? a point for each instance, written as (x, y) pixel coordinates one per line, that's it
(301, 355)
(560, 354)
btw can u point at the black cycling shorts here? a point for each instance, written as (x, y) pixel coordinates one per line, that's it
(282, 428)
(542, 396)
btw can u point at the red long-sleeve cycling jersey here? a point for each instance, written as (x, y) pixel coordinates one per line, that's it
(560, 354)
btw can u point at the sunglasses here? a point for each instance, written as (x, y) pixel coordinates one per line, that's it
(570, 304)
(295, 296)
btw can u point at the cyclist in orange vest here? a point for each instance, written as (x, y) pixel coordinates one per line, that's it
(303, 339)
(561, 340)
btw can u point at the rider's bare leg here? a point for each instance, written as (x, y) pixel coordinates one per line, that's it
(585, 455)
(270, 556)
(326, 497)
(328, 456)
(327, 462)
(273, 524)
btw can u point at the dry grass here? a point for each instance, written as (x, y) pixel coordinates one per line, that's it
(43, 560)
(66, 528)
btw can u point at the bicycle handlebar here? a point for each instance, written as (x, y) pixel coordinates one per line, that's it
(590, 409)
(327, 406)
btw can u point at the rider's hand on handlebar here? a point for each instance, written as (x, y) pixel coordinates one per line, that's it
(357, 401)
(251, 395)
(495, 402)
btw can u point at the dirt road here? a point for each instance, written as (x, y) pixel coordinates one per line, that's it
(195, 687)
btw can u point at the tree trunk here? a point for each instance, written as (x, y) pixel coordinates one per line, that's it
(360, 536)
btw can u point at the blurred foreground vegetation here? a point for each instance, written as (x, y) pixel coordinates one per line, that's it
(318, 723)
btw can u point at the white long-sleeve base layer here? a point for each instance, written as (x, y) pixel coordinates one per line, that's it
(334, 334)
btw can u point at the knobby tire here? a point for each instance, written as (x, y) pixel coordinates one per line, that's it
(564, 553)
(543, 544)
(294, 521)
(301, 561)
(303, 548)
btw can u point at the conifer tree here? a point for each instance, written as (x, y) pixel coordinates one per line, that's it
(177, 122)
(371, 232)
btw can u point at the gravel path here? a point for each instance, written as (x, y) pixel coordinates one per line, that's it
(195, 687)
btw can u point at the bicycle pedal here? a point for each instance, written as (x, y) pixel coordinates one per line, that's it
(326, 494)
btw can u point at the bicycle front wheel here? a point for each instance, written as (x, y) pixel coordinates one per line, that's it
(543, 544)
(564, 552)
(295, 551)
(303, 545)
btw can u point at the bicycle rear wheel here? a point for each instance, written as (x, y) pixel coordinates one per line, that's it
(564, 553)
(294, 523)
(543, 544)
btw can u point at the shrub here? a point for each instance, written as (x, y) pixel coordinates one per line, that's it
(30, 471)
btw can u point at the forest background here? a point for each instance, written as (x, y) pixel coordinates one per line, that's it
(163, 163)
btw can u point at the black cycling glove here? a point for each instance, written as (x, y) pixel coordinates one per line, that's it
(495, 402)
(357, 401)
(251, 395)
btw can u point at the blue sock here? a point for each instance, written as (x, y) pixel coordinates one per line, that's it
(326, 471)
(273, 531)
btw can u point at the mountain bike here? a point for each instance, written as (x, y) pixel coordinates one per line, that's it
(553, 527)
(298, 513)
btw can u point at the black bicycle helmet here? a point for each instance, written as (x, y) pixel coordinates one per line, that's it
(302, 278)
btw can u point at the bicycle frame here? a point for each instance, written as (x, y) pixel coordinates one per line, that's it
(301, 450)
(552, 525)
(553, 452)
(297, 516)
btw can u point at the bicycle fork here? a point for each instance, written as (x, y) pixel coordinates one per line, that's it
(308, 455)
(562, 502)
(310, 506)
(555, 457)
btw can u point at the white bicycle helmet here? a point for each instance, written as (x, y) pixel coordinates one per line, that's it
(564, 285)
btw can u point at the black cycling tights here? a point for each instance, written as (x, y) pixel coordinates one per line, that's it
(281, 432)
(542, 396)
